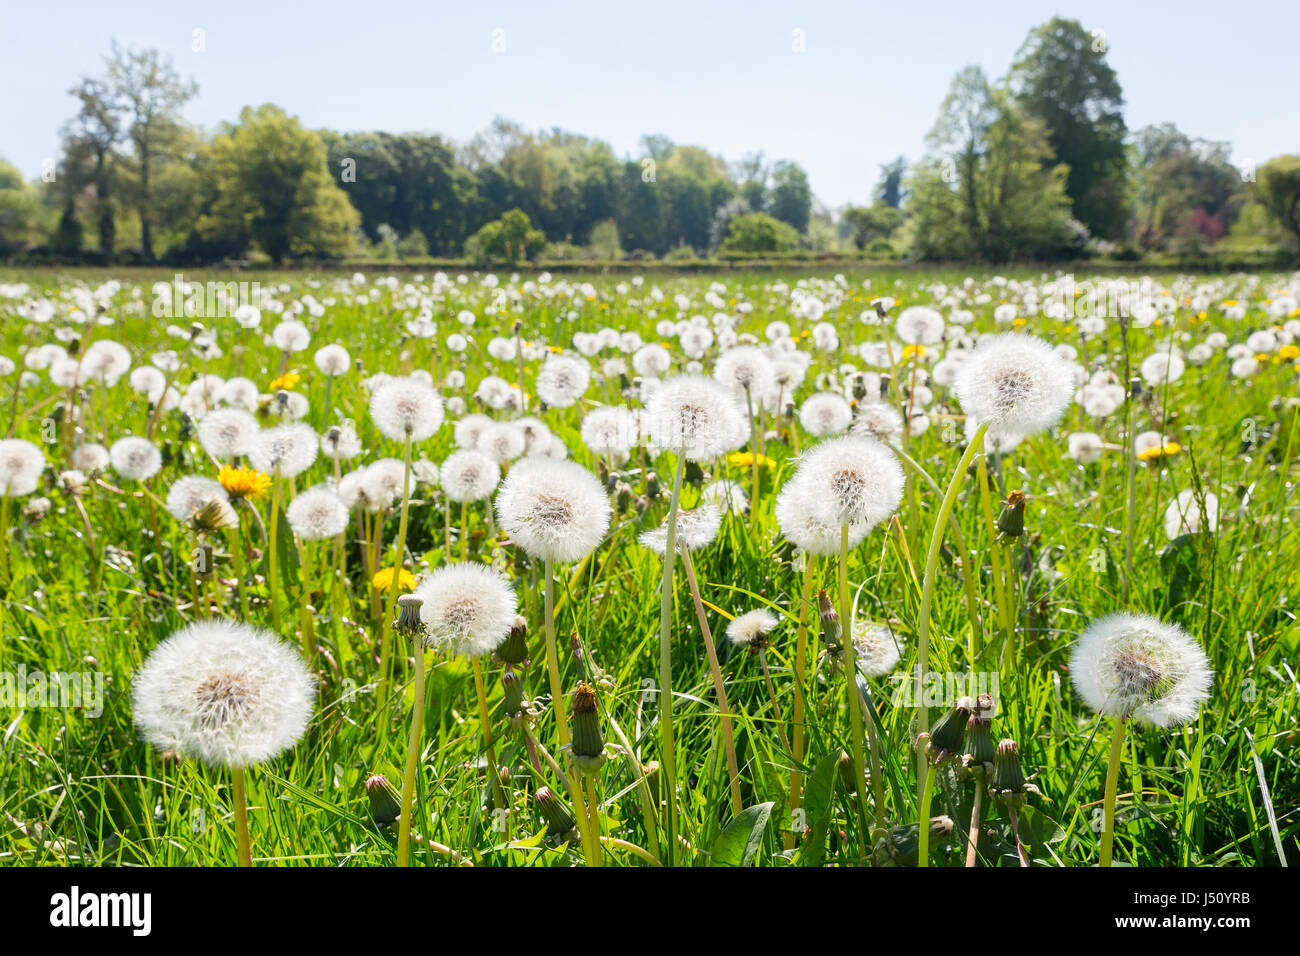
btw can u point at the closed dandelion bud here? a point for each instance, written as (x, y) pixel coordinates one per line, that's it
(514, 649)
(588, 746)
(623, 495)
(409, 623)
(948, 736)
(385, 801)
(900, 846)
(559, 820)
(693, 474)
(831, 630)
(513, 690)
(1009, 785)
(1011, 523)
(652, 485)
(979, 737)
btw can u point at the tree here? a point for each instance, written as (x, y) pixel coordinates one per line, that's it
(759, 232)
(866, 224)
(791, 198)
(270, 186)
(1061, 76)
(1279, 188)
(89, 139)
(889, 191)
(152, 93)
(1181, 187)
(508, 239)
(19, 209)
(989, 188)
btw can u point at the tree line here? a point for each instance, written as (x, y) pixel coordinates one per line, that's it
(1036, 165)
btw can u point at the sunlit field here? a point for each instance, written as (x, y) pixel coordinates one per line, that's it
(368, 570)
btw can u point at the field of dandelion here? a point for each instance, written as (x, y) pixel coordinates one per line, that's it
(182, 464)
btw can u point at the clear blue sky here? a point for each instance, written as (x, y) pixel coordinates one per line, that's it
(722, 75)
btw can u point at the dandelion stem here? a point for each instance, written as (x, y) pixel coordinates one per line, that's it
(485, 722)
(1112, 784)
(272, 552)
(800, 653)
(666, 660)
(851, 691)
(973, 834)
(241, 817)
(923, 812)
(412, 759)
(927, 602)
(385, 622)
(719, 688)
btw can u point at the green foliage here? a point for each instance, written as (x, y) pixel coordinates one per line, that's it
(508, 239)
(19, 209)
(271, 188)
(759, 232)
(1061, 77)
(1279, 191)
(866, 224)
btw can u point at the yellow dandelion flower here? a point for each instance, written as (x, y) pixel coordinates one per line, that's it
(1018, 322)
(287, 380)
(1287, 352)
(243, 482)
(913, 351)
(1152, 454)
(745, 459)
(383, 580)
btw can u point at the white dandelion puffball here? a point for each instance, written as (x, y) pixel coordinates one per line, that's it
(876, 648)
(751, 628)
(317, 514)
(91, 457)
(852, 480)
(468, 429)
(104, 361)
(804, 529)
(21, 464)
(191, 494)
(882, 422)
(562, 380)
(825, 414)
(502, 441)
(920, 325)
(333, 360)
(1136, 667)
(468, 608)
(291, 336)
(229, 694)
(696, 417)
(555, 510)
(291, 448)
(135, 459)
(695, 529)
(1085, 447)
(1016, 383)
(406, 408)
(340, 442)
(1162, 368)
(469, 476)
(1184, 515)
(226, 433)
(425, 472)
(747, 368)
(610, 430)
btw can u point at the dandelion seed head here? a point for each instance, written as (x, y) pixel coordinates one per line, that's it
(696, 528)
(562, 380)
(1136, 667)
(1016, 383)
(291, 448)
(751, 628)
(554, 510)
(469, 476)
(227, 694)
(405, 408)
(696, 417)
(317, 514)
(226, 433)
(468, 608)
(853, 480)
(135, 459)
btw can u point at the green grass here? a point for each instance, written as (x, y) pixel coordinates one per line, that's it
(76, 789)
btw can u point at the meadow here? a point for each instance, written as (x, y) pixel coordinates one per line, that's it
(365, 570)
